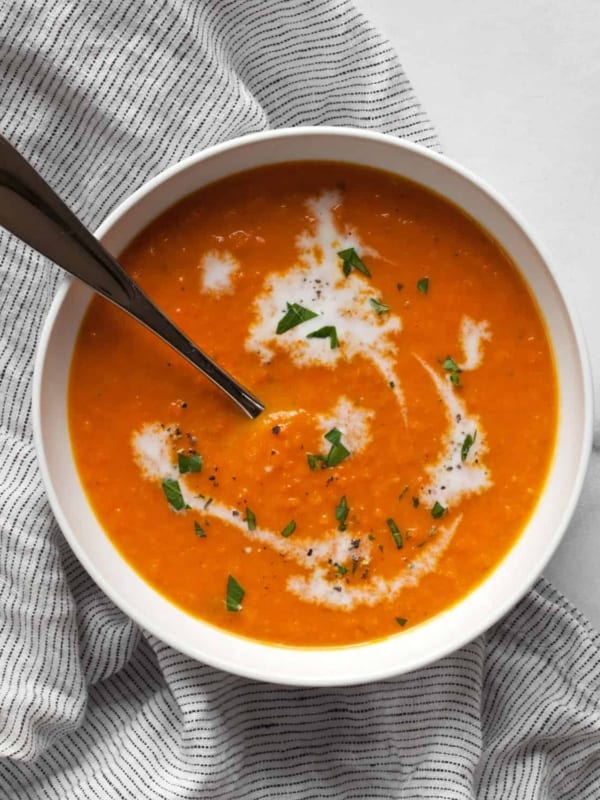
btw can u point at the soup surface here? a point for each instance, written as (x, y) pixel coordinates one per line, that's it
(410, 406)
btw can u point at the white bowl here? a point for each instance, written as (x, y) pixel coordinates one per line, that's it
(416, 646)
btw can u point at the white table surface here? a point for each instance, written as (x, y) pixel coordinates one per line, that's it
(513, 89)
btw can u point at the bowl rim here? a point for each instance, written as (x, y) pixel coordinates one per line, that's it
(462, 637)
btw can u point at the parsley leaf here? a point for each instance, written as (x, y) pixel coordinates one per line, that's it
(341, 513)
(189, 463)
(250, 519)
(423, 285)
(173, 494)
(467, 445)
(199, 530)
(235, 595)
(315, 460)
(326, 332)
(341, 569)
(378, 307)
(401, 621)
(438, 510)
(395, 531)
(289, 529)
(334, 436)
(295, 315)
(351, 260)
(337, 452)
(450, 365)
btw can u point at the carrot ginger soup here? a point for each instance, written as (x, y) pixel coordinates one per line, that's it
(410, 395)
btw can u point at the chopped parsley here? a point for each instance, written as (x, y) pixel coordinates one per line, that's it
(395, 531)
(467, 445)
(341, 569)
(337, 452)
(173, 494)
(235, 595)
(199, 530)
(423, 285)
(452, 367)
(315, 460)
(289, 529)
(326, 332)
(295, 315)
(189, 463)
(250, 519)
(378, 307)
(402, 493)
(438, 510)
(341, 513)
(401, 621)
(351, 260)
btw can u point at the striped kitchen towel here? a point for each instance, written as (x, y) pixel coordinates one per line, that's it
(100, 96)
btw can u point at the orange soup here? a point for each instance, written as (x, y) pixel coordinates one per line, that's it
(410, 396)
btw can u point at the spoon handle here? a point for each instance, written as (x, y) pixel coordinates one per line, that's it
(31, 210)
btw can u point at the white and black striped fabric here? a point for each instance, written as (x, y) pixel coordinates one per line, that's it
(100, 96)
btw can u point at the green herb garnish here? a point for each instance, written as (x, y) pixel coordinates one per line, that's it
(378, 307)
(423, 285)
(250, 519)
(351, 260)
(438, 510)
(189, 463)
(289, 529)
(295, 315)
(341, 513)
(199, 530)
(401, 621)
(326, 332)
(452, 367)
(337, 452)
(173, 494)
(235, 595)
(315, 460)
(402, 493)
(341, 569)
(467, 445)
(395, 531)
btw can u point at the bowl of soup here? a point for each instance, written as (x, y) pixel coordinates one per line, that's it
(427, 420)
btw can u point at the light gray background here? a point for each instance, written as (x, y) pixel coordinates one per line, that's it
(513, 88)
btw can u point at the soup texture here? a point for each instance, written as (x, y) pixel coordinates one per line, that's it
(410, 399)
